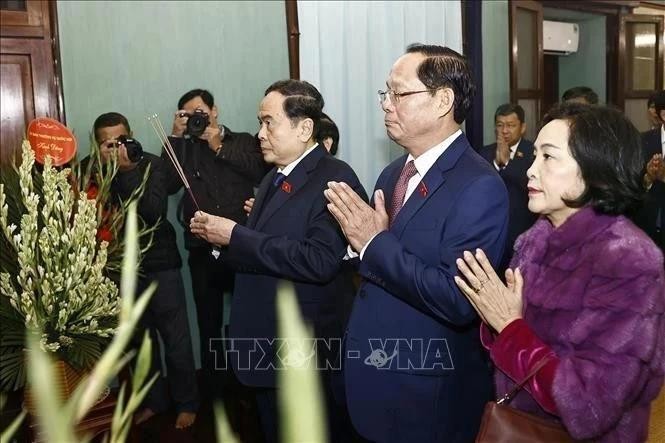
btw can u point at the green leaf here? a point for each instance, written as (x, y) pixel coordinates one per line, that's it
(299, 394)
(57, 427)
(224, 431)
(143, 361)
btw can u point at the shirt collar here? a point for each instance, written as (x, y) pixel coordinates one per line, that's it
(425, 160)
(291, 166)
(513, 148)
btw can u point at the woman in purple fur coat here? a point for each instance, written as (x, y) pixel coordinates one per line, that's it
(586, 288)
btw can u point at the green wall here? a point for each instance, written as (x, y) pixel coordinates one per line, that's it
(139, 57)
(587, 66)
(496, 80)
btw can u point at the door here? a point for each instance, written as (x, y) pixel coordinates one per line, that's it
(641, 48)
(29, 86)
(526, 61)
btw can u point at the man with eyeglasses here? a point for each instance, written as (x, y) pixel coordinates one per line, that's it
(512, 155)
(414, 366)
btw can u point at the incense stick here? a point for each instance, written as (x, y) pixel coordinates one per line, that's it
(161, 134)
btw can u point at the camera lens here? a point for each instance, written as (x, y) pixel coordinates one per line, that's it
(197, 123)
(134, 148)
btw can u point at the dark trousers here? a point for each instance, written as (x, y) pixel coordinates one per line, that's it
(210, 280)
(166, 314)
(338, 421)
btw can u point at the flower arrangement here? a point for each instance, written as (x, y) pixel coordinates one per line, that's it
(59, 249)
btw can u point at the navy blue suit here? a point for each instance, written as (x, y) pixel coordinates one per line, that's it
(651, 217)
(414, 367)
(291, 236)
(514, 176)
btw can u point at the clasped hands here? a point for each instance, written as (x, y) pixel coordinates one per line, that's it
(358, 220)
(497, 304)
(655, 170)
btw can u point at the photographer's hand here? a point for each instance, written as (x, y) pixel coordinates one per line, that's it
(106, 151)
(213, 135)
(179, 123)
(124, 163)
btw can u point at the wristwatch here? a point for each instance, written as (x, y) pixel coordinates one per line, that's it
(221, 144)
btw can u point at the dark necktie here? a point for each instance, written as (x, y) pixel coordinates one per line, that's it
(408, 171)
(277, 181)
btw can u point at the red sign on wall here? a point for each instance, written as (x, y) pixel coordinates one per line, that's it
(51, 138)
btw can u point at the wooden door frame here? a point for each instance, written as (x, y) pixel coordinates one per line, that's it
(37, 32)
(660, 49)
(525, 94)
(293, 38)
(57, 64)
(613, 10)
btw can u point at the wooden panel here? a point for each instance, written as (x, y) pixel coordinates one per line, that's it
(536, 91)
(16, 102)
(550, 81)
(31, 23)
(625, 90)
(29, 68)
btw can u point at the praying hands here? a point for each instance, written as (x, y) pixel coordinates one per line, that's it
(359, 222)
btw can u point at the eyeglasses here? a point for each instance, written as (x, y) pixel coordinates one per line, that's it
(395, 97)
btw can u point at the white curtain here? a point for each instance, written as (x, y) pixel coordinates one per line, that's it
(347, 49)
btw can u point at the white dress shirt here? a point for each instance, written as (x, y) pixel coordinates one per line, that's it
(423, 164)
(291, 166)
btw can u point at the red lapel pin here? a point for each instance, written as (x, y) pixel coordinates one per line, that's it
(423, 189)
(286, 187)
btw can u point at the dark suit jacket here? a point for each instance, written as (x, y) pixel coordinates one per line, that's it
(409, 307)
(654, 205)
(514, 176)
(292, 237)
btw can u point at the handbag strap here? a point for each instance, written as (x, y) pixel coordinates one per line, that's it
(510, 394)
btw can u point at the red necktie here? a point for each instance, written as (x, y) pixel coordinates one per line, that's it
(408, 171)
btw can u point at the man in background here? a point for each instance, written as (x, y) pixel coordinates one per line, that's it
(651, 218)
(652, 115)
(580, 94)
(167, 311)
(511, 156)
(329, 134)
(222, 167)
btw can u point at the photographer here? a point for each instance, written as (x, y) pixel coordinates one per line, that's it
(166, 311)
(222, 168)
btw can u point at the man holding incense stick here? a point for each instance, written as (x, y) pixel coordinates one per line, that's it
(222, 167)
(289, 235)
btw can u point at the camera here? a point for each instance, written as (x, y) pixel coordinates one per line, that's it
(197, 123)
(134, 148)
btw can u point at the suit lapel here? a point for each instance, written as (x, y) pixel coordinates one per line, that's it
(293, 183)
(522, 156)
(428, 186)
(265, 185)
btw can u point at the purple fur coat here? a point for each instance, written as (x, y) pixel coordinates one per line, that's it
(594, 292)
